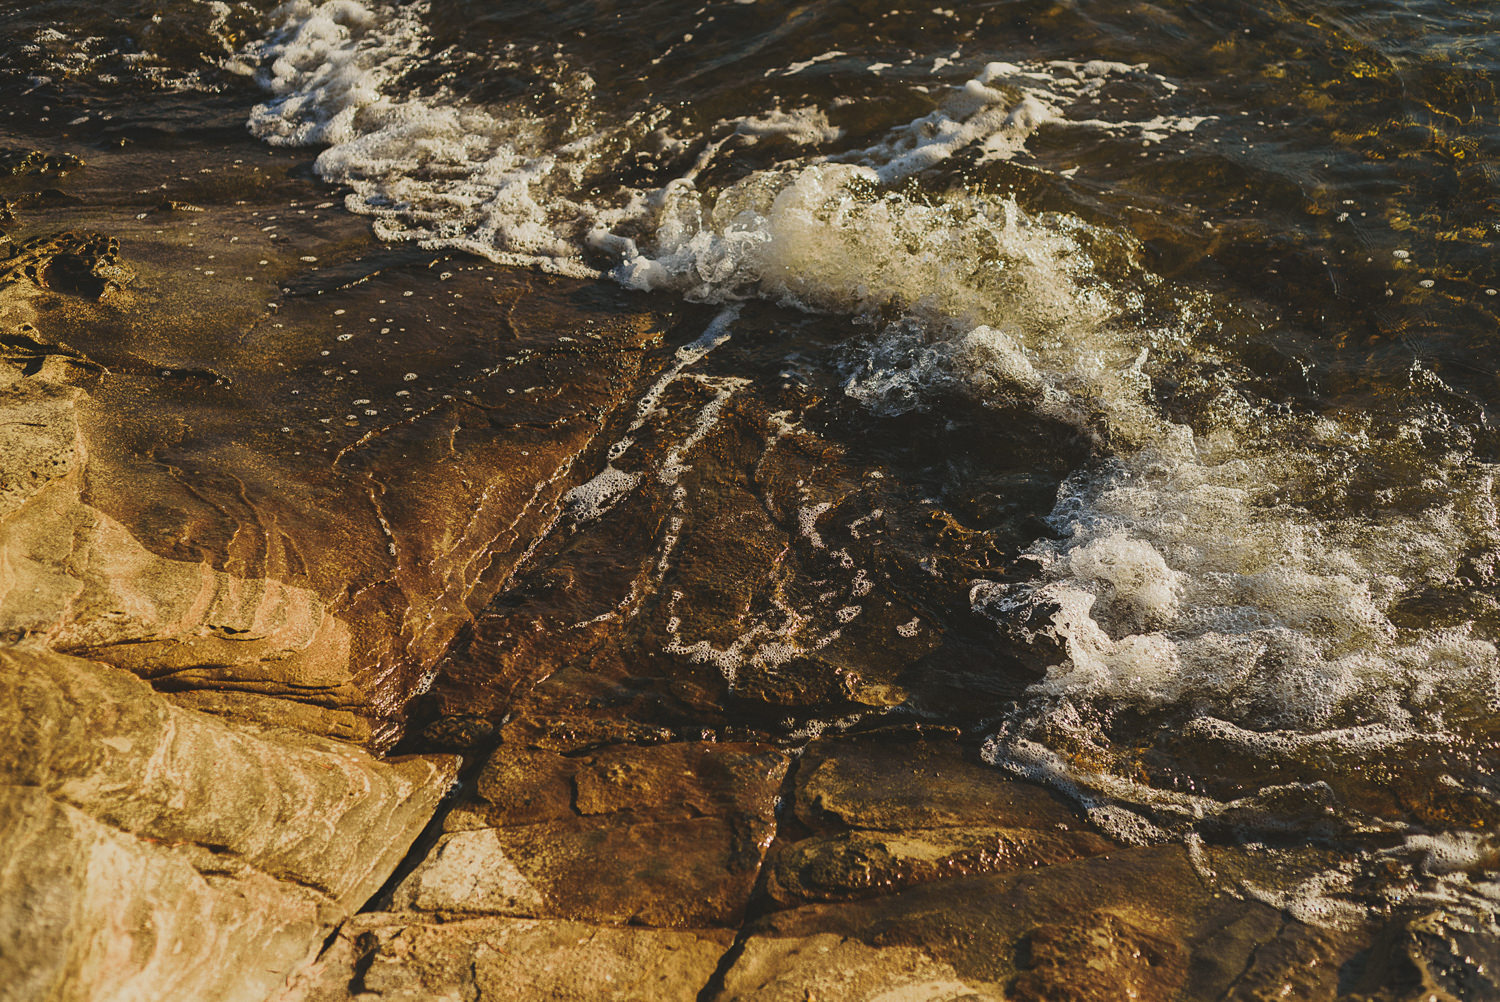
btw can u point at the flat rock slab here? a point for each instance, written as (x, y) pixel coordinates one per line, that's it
(662, 835)
(94, 913)
(880, 813)
(860, 863)
(827, 966)
(896, 785)
(400, 958)
(158, 853)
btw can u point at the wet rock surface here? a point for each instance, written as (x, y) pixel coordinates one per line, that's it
(277, 500)
(667, 835)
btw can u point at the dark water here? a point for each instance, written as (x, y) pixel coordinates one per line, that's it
(1237, 258)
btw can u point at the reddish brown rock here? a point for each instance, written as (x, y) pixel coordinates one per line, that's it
(881, 783)
(1129, 920)
(662, 835)
(863, 863)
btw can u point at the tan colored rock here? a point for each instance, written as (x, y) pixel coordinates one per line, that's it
(73, 578)
(40, 443)
(395, 958)
(157, 853)
(94, 913)
(470, 872)
(829, 968)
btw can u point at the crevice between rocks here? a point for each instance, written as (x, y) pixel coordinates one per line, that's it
(757, 904)
(423, 844)
(1250, 960)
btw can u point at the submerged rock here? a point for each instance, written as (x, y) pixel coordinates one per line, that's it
(219, 503)
(274, 497)
(666, 835)
(829, 966)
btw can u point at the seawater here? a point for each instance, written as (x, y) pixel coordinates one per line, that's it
(1247, 253)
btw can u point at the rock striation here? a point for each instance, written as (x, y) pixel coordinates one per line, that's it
(158, 853)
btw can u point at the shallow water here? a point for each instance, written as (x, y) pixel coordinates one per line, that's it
(1241, 255)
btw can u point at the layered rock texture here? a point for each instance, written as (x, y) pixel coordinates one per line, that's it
(384, 626)
(155, 852)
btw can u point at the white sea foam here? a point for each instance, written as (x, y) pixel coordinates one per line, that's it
(804, 126)
(507, 184)
(436, 170)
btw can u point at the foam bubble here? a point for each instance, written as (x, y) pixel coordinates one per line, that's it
(589, 500)
(803, 126)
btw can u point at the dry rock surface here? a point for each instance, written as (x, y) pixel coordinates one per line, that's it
(157, 852)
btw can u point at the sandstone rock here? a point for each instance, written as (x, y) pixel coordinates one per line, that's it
(828, 968)
(95, 913)
(1099, 955)
(1094, 928)
(889, 811)
(280, 490)
(1303, 962)
(1439, 955)
(207, 508)
(157, 853)
(399, 958)
(680, 874)
(663, 835)
(897, 785)
(725, 567)
(40, 444)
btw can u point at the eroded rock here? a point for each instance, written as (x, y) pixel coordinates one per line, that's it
(882, 813)
(160, 853)
(861, 863)
(1099, 955)
(883, 784)
(402, 958)
(95, 913)
(827, 967)
(1092, 928)
(231, 524)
